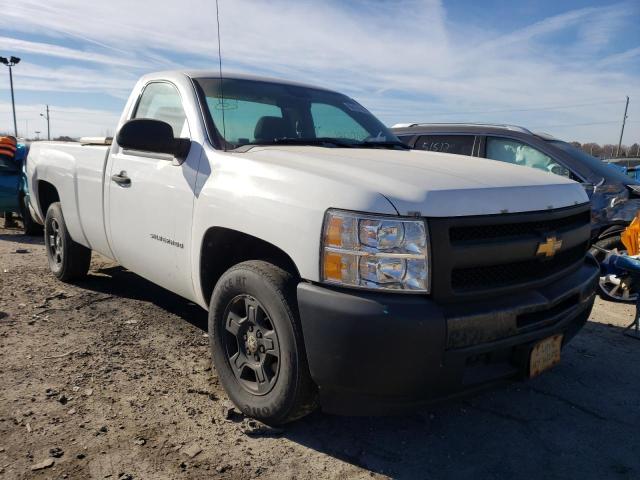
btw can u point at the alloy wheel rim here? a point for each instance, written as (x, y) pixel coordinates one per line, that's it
(617, 288)
(54, 238)
(251, 345)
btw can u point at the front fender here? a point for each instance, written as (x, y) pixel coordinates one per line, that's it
(284, 207)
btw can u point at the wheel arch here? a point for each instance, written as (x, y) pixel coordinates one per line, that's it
(47, 194)
(222, 248)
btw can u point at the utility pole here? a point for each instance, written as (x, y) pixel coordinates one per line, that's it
(48, 124)
(37, 134)
(624, 119)
(11, 62)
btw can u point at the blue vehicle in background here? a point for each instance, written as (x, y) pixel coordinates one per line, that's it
(14, 192)
(629, 166)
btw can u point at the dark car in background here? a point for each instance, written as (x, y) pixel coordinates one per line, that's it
(615, 197)
(14, 192)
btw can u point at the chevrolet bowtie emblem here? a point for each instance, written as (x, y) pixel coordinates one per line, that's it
(549, 247)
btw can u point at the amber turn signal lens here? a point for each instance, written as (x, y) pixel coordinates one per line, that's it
(333, 266)
(334, 232)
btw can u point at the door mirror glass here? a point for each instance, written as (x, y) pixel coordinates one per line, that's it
(155, 136)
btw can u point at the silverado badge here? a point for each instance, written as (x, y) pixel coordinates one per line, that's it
(549, 247)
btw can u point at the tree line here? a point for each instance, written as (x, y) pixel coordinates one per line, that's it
(608, 150)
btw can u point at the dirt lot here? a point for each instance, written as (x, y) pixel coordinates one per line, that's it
(111, 379)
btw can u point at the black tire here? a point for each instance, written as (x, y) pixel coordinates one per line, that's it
(289, 393)
(608, 243)
(68, 260)
(29, 225)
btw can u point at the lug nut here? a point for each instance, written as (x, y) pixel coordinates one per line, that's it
(259, 334)
(251, 328)
(244, 337)
(257, 357)
(261, 348)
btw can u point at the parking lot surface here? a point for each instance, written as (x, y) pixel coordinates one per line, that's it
(111, 378)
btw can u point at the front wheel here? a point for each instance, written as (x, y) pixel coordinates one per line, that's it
(68, 260)
(256, 343)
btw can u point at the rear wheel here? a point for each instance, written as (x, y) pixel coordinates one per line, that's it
(29, 225)
(256, 343)
(68, 260)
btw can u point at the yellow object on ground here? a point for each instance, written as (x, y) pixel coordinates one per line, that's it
(631, 236)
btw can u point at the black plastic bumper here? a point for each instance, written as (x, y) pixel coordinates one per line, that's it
(374, 353)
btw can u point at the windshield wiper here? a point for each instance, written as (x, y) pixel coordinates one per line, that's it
(328, 142)
(320, 141)
(381, 144)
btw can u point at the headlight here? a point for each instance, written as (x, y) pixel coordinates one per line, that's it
(375, 252)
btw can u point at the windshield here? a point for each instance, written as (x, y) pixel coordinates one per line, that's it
(267, 113)
(598, 167)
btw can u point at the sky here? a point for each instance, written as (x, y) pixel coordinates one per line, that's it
(562, 67)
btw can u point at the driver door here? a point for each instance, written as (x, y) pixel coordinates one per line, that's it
(150, 215)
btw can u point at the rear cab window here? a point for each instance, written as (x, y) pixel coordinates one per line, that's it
(457, 144)
(241, 117)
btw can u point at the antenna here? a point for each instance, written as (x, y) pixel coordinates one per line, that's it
(222, 107)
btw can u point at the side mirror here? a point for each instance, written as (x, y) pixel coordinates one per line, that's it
(149, 135)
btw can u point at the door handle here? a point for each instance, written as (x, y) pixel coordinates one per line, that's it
(121, 179)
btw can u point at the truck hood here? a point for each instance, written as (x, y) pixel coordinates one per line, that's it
(428, 183)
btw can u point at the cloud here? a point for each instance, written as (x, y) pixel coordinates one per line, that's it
(31, 77)
(404, 59)
(9, 44)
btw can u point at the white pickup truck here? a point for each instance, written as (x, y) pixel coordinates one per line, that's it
(338, 267)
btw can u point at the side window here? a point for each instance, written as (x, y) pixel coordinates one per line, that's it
(242, 118)
(330, 121)
(458, 144)
(161, 101)
(518, 153)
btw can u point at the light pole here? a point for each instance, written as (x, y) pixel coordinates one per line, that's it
(624, 119)
(48, 126)
(10, 62)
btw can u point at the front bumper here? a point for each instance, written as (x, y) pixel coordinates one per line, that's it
(379, 353)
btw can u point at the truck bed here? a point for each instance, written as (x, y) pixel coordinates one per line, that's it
(77, 170)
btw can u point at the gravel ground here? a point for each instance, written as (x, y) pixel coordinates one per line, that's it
(111, 378)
